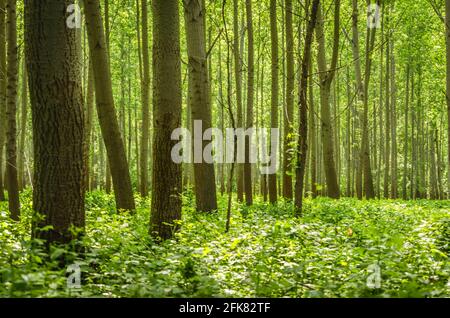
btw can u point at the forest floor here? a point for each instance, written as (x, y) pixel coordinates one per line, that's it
(345, 248)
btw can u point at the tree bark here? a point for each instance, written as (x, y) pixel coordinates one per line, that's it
(200, 102)
(105, 108)
(387, 152)
(11, 110)
(289, 110)
(23, 128)
(303, 109)
(447, 42)
(89, 126)
(2, 93)
(250, 101)
(393, 95)
(58, 123)
(406, 137)
(166, 175)
(274, 91)
(145, 102)
(238, 82)
(326, 79)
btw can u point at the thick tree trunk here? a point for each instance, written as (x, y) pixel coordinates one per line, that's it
(11, 110)
(105, 108)
(200, 102)
(166, 176)
(58, 121)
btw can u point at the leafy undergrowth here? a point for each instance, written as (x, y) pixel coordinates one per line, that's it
(344, 248)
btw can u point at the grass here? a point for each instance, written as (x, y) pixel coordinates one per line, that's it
(345, 248)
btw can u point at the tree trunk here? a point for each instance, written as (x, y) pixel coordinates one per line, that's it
(393, 94)
(166, 176)
(303, 103)
(274, 91)
(145, 102)
(387, 152)
(365, 146)
(58, 121)
(200, 103)
(105, 108)
(434, 193)
(2, 93)
(447, 42)
(250, 98)
(23, 128)
(89, 125)
(11, 110)
(406, 137)
(313, 135)
(288, 113)
(238, 83)
(326, 79)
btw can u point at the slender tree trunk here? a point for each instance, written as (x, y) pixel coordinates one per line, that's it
(274, 91)
(360, 91)
(238, 84)
(200, 103)
(250, 100)
(145, 102)
(2, 93)
(167, 98)
(394, 174)
(365, 146)
(303, 103)
(221, 117)
(107, 37)
(434, 193)
(348, 143)
(326, 79)
(364, 170)
(11, 110)
(89, 125)
(289, 109)
(387, 151)
(406, 137)
(23, 128)
(58, 121)
(312, 133)
(447, 41)
(105, 108)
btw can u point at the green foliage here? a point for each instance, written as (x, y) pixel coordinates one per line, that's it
(268, 252)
